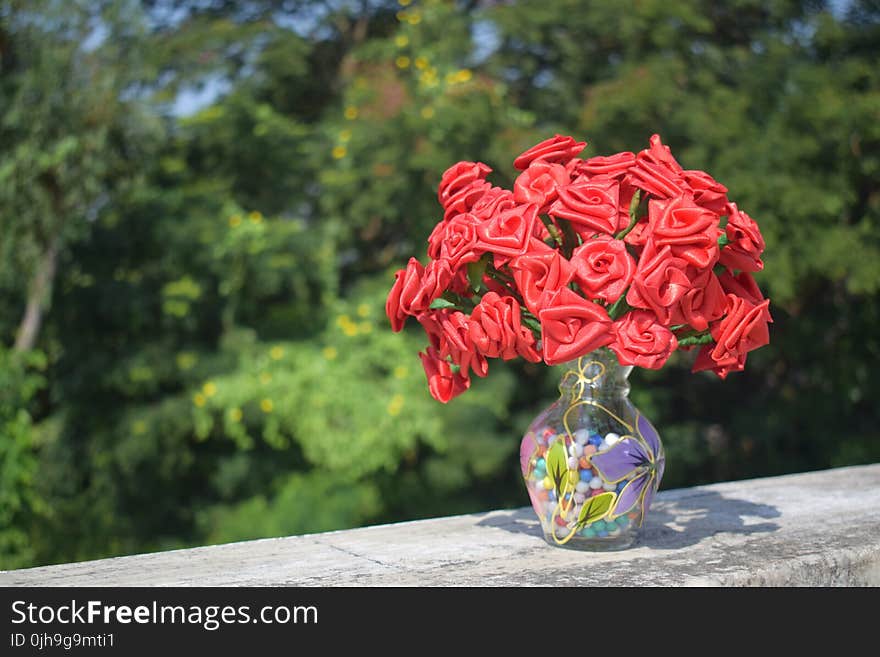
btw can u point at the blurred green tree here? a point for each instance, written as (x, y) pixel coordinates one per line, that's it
(239, 180)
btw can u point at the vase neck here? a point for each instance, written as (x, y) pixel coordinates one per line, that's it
(598, 374)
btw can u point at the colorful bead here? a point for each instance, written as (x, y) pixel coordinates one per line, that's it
(582, 487)
(611, 438)
(586, 474)
(548, 483)
(595, 482)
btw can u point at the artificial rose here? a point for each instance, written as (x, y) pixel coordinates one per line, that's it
(508, 233)
(603, 269)
(659, 282)
(656, 171)
(590, 206)
(571, 327)
(557, 149)
(742, 329)
(639, 340)
(454, 341)
(539, 273)
(704, 302)
(746, 245)
(539, 183)
(443, 383)
(457, 241)
(406, 284)
(492, 202)
(465, 199)
(612, 166)
(708, 192)
(458, 177)
(497, 332)
(690, 231)
(743, 285)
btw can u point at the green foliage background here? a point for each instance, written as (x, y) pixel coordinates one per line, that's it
(204, 203)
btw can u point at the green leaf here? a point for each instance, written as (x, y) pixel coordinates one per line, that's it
(475, 271)
(595, 508)
(441, 303)
(557, 466)
(723, 241)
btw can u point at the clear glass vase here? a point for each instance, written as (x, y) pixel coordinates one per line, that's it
(591, 461)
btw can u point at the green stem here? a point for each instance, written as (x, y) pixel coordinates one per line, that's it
(633, 215)
(569, 238)
(619, 307)
(704, 338)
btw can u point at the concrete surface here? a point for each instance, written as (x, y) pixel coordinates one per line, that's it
(819, 528)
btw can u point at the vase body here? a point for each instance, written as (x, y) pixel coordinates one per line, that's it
(591, 461)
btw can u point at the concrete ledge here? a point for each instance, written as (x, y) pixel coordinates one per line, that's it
(819, 528)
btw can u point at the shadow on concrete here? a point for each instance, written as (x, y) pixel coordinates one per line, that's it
(672, 523)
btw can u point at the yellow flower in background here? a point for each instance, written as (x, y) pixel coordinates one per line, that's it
(404, 3)
(395, 405)
(400, 372)
(276, 353)
(351, 112)
(266, 405)
(340, 152)
(329, 353)
(265, 378)
(199, 399)
(345, 135)
(464, 75)
(363, 310)
(235, 414)
(235, 221)
(421, 63)
(351, 330)
(402, 61)
(401, 41)
(210, 389)
(413, 18)
(427, 112)
(255, 217)
(364, 327)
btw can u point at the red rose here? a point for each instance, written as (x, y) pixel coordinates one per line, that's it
(456, 241)
(414, 289)
(639, 340)
(612, 166)
(690, 231)
(458, 177)
(704, 302)
(443, 383)
(492, 202)
(556, 149)
(406, 285)
(659, 282)
(603, 268)
(743, 285)
(708, 193)
(539, 183)
(746, 245)
(497, 332)
(538, 273)
(591, 206)
(465, 199)
(656, 171)
(571, 327)
(743, 329)
(449, 333)
(508, 233)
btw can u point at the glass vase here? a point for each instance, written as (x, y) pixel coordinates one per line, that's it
(591, 461)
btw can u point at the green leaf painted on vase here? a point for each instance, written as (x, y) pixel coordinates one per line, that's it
(595, 508)
(557, 466)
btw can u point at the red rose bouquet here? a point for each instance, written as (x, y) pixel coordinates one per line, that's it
(629, 251)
